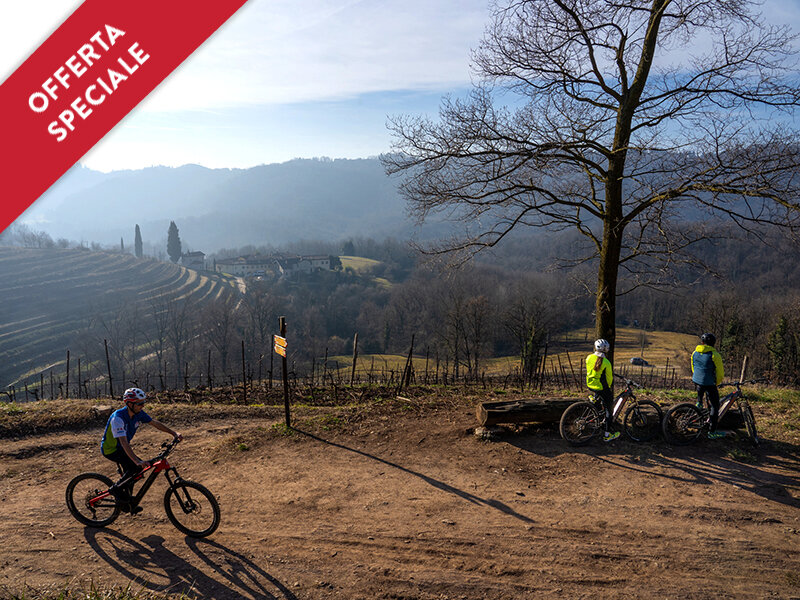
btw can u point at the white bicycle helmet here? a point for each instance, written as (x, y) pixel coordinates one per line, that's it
(133, 395)
(602, 345)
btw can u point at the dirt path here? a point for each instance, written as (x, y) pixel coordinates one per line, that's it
(418, 508)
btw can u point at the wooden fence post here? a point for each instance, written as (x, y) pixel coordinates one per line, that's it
(355, 358)
(108, 366)
(271, 359)
(208, 373)
(66, 393)
(405, 378)
(574, 377)
(244, 377)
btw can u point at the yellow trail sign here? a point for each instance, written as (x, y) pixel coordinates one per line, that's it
(280, 341)
(280, 350)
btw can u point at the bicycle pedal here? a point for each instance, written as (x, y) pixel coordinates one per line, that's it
(135, 510)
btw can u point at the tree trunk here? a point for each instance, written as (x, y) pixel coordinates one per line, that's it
(605, 305)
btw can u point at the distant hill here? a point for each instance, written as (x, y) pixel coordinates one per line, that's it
(54, 300)
(216, 208)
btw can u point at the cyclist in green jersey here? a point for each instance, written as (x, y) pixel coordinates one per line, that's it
(115, 444)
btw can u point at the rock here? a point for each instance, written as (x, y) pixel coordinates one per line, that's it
(102, 412)
(488, 433)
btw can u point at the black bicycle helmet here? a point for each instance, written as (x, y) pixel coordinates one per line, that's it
(709, 339)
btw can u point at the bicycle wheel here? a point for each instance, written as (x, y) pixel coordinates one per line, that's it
(683, 424)
(749, 422)
(580, 423)
(642, 421)
(192, 508)
(89, 501)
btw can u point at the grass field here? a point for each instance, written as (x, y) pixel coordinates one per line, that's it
(661, 349)
(358, 263)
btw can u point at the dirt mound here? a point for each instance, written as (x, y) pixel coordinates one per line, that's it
(409, 504)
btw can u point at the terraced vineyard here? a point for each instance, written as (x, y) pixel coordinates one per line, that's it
(56, 300)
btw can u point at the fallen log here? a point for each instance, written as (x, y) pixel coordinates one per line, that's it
(544, 410)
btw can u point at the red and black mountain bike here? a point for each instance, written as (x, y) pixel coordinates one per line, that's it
(190, 506)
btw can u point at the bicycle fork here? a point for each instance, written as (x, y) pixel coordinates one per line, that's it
(180, 492)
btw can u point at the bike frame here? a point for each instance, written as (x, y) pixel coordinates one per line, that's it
(159, 466)
(619, 402)
(727, 400)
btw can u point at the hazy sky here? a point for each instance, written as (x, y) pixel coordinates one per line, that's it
(290, 78)
(281, 79)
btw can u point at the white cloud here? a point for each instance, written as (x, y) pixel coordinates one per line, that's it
(288, 52)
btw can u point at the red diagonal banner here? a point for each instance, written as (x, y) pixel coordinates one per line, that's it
(105, 58)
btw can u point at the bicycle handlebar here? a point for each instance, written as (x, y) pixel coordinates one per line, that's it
(167, 448)
(628, 382)
(749, 382)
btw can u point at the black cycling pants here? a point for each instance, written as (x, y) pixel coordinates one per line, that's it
(129, 468)
(712, 393)
(607, 398)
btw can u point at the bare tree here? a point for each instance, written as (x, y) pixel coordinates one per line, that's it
(261, 311)
(118, 321)
(527, 318)
(160, 317)
(221, 320)
(623, 120)
(180, 325)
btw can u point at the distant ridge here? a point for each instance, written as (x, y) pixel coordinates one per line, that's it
(215, 208)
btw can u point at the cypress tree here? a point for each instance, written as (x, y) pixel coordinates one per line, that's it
(137, 243)
(173, 243)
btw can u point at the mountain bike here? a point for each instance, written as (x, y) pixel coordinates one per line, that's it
(686, 422)
(189, 506)
(583, 421)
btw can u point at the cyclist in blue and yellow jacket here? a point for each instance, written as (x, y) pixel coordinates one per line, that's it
(116, 447)
(599, 377)
(707, 374)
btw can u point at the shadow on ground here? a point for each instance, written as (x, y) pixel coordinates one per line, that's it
(440, 485)
(732, 461)
(150, 564)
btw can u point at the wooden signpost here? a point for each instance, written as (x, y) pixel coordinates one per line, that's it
(280, 348)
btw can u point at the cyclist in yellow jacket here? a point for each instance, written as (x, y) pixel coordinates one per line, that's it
(599, 377)
(707, 374)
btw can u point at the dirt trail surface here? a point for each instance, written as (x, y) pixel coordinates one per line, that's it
(414, 506)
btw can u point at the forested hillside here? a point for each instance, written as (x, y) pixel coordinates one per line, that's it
(166, 325)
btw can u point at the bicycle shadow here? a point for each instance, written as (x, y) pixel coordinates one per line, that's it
(710, 467)
(694, 465)
(153, 566)
(440, 485)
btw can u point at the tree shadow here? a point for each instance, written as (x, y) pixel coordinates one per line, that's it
(699, 464)
(151, 565)
(440, 485)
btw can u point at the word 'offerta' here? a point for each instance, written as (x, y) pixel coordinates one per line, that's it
(96, 93)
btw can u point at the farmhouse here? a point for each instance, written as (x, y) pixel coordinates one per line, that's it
(194, 260)
(253, 265)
